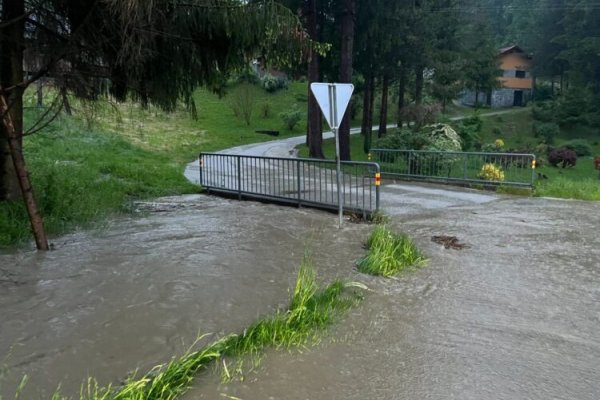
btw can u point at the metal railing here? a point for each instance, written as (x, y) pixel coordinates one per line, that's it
(458, 167)
(299, 181)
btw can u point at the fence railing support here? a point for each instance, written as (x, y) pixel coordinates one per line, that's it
(510, 169)
(300, 181)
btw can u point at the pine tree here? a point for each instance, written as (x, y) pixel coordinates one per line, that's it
(156, 51)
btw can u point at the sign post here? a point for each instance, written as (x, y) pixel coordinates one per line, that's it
(333, 99)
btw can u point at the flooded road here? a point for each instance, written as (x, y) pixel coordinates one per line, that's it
(133, 295)
(516, 315)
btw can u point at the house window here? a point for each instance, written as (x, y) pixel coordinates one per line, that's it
(520, 74)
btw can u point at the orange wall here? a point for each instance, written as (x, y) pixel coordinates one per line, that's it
(515, 61)
(517, 83)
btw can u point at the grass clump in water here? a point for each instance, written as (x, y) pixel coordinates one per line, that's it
(389, 253)
(379, 218)
(311, 310)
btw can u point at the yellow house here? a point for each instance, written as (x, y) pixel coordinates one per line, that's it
(515, 83)
(516, 79)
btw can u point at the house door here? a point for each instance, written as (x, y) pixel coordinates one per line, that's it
(518, 100)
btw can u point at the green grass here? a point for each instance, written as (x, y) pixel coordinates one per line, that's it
(92, 165)
(563, 187)
(216, 127)
(81, 176)
(311, 310)
(389, 253)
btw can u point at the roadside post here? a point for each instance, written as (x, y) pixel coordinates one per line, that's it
(333, 99)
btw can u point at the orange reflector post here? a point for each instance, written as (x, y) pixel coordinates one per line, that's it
(377, 179)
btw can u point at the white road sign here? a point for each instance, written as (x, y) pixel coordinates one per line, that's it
(333, 99)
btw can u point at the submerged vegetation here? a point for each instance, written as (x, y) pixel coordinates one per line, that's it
(389, 253)
(311, 309)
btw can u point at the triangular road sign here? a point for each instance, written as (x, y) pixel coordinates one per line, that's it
(333, 99)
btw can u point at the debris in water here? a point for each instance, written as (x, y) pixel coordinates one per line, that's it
(449, 242)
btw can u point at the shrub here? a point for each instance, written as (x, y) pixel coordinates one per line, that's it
(497, 131)
(573, 107)
(542, 150)
(496, 147)
(469, 130)
(562, 158)
(580, 146)
(273, 83)
(247, 76)
(396, 140)
(420, 115)
(242, 102)
(292, 117)
(265, 109)
(547, 130)
(436, 137)
(543, 92)
(441, 137)
(491, 172)
(544, 111)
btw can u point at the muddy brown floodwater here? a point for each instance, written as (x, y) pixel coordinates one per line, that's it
(140, 291)
(515, 315)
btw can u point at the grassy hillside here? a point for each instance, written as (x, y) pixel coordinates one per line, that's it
(95, 164)
(216, 127)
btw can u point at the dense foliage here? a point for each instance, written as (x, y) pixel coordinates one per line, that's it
(436, 137)
(562, 158)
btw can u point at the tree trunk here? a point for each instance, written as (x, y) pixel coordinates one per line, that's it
(345, 76)
(40, 93)
(367, 125)
(65, 101)
(419, 84)
(314, 133)
(562, 82)
(384, 106)
(401, 92)
(476, 97)
(16, 151)
(11, 73)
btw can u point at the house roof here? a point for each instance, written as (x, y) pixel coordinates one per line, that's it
(510, 49)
